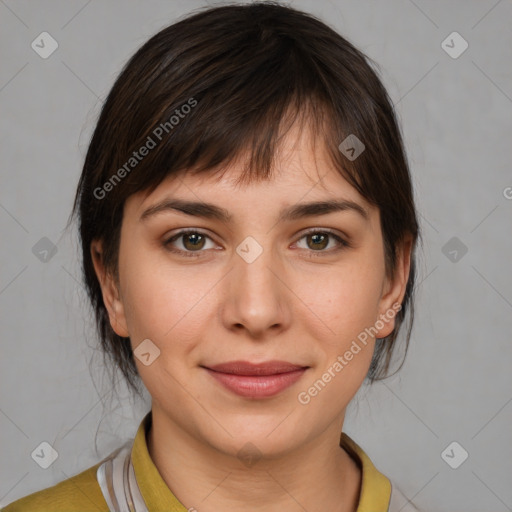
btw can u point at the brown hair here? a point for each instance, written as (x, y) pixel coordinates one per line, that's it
(242, 70)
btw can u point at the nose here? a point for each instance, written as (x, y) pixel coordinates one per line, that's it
(256, 298)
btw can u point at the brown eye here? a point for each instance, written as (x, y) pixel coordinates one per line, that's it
(317, 241)
(189, 243)
(193, 241)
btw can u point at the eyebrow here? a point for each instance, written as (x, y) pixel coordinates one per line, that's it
(294, 212)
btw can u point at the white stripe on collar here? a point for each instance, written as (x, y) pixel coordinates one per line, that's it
(118, 483)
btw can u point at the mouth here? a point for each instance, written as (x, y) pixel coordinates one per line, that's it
(262, 380)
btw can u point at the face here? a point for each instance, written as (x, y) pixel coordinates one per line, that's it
(262, 316)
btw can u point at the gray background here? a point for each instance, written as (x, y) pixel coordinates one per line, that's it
(456, 113)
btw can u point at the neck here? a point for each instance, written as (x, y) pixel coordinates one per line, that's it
(319, 476)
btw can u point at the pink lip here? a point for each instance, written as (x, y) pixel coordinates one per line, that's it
(256, 380)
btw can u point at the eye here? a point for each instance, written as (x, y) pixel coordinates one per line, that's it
(190, 241)
(318, 240)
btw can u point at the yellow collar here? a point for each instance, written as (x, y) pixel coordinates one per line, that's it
(375, 487)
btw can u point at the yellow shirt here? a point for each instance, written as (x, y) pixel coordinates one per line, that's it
(82, 492)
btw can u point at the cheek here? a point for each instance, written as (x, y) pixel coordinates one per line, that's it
(344, 300)
(162, 302)
(165, 305)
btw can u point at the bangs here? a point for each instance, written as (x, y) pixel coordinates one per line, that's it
(251, 145)
(237, 117)
(220, 94)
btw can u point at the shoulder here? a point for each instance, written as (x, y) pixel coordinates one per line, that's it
(79, 493)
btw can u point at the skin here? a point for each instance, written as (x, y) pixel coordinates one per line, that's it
(300, 301)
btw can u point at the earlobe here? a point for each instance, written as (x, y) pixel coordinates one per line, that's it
(110, 291)
(394, 290)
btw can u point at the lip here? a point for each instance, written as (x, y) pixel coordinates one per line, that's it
(261, 380)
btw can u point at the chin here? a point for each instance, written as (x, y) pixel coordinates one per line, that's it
(255, 437)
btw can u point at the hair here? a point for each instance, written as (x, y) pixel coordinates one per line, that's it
(224, 83)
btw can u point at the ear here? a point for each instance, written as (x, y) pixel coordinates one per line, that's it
(394, 289)
(110, 291)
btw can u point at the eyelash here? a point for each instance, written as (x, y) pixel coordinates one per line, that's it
(194, 254)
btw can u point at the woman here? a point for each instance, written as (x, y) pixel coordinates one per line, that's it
(248, 232)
